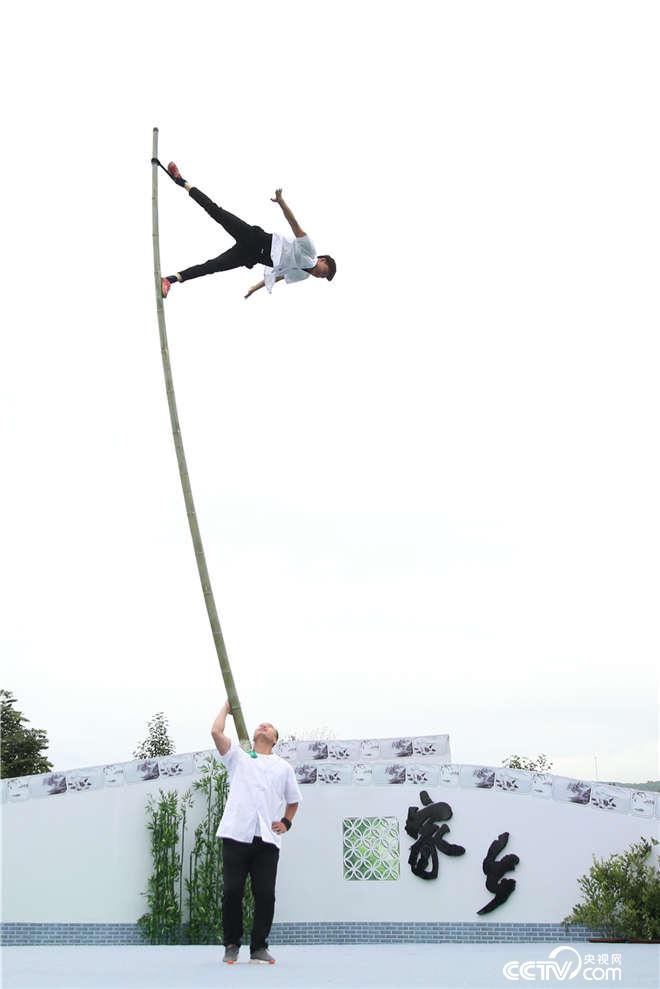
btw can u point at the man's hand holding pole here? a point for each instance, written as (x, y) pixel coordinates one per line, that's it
(222, 741)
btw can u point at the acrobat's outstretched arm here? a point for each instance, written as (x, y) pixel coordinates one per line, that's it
(293, 223)
(255, 288)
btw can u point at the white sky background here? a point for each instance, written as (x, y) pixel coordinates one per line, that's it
(428, 491)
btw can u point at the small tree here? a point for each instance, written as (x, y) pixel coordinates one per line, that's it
(539, 765)
(621, 895)
(21, 753)
(157, 741)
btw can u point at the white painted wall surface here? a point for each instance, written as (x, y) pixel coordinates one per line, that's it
(554, 842)
(85, 857)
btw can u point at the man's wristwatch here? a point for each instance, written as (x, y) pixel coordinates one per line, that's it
(286, 822)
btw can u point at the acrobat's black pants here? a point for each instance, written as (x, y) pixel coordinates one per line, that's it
(252, 245)
(258, 858)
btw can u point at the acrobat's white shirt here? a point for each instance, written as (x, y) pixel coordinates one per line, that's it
(289, 257)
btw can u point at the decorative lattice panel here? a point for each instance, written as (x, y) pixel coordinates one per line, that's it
(371, 848)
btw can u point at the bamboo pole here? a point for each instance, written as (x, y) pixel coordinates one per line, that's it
(205, 580)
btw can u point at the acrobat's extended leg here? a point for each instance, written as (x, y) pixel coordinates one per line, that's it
(241, 255)
(237, 256)
(235, 227)
(233, 258)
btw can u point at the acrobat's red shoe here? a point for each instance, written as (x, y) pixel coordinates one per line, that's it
(165, 286)
(176, 174)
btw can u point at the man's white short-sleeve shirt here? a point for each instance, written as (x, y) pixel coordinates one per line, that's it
(259, 789)
(290, 257)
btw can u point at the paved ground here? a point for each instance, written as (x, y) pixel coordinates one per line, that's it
(391, 966)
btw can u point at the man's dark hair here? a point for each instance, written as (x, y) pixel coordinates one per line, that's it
(331, 265)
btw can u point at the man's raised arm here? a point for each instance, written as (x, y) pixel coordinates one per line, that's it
(222, 741)
(293, 223)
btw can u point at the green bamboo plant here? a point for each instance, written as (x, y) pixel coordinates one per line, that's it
(164, 923)
(200, 557)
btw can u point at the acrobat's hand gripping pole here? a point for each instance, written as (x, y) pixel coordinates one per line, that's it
(183, 470)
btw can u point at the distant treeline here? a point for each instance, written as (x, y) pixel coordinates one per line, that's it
(649, 785)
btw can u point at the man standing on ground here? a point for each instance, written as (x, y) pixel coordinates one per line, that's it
(260, 784)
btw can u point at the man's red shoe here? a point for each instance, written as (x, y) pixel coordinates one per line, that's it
(176, 174)
(164, 287)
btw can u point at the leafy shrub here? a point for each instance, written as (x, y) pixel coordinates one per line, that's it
(621, 895)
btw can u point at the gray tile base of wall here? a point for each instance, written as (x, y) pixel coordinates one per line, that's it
(318, 933)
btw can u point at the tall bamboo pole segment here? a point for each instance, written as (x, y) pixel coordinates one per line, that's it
(227, 675)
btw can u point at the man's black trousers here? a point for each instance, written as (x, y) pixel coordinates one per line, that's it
(258, 858)
(252, 245)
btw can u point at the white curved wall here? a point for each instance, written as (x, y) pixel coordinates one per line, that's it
(84, 857)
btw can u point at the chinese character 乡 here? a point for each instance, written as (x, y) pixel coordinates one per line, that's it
(494, 870)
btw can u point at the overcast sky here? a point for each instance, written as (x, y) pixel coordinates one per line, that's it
(428, 491)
